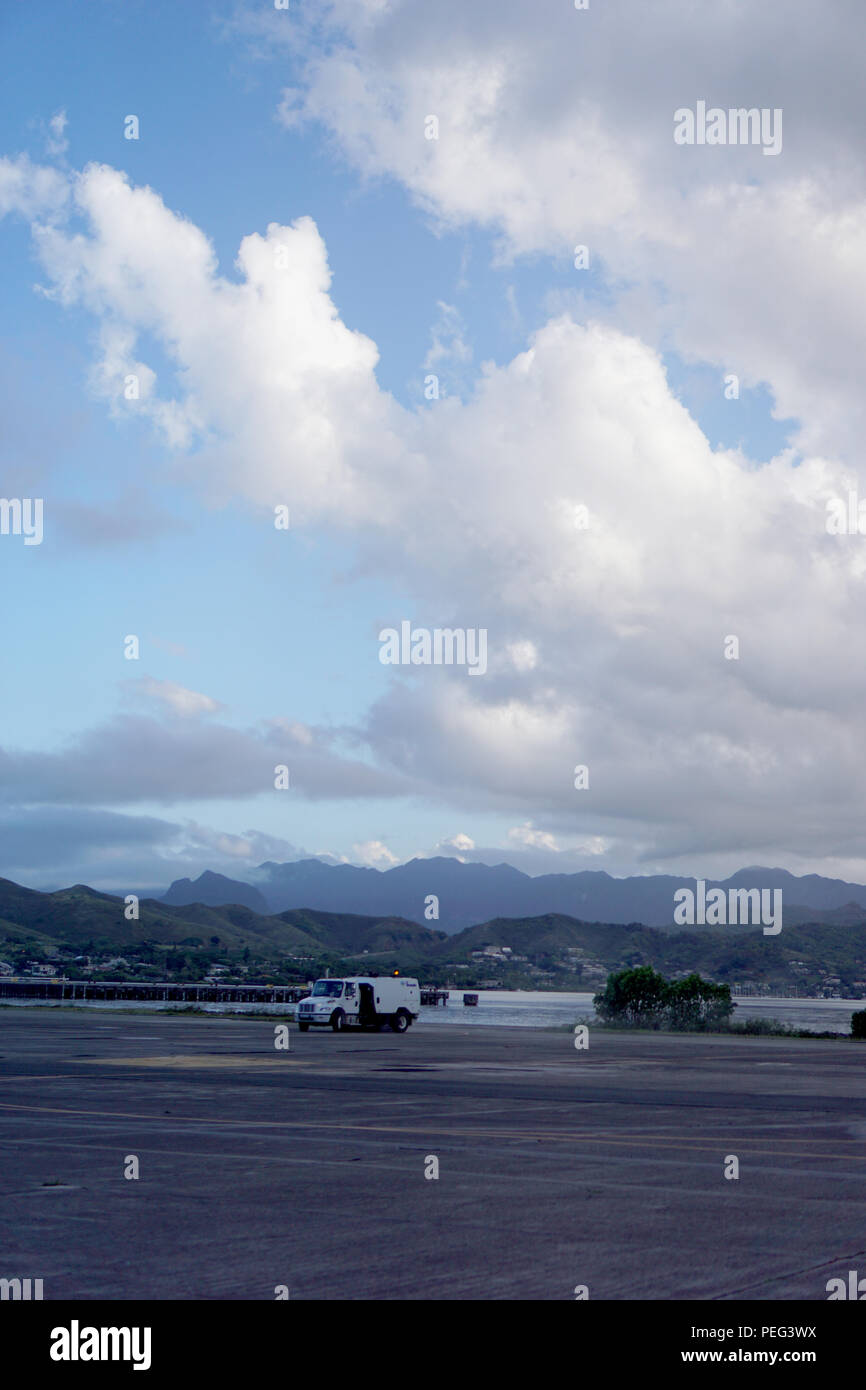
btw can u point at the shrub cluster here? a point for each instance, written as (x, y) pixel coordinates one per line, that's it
(641, 998)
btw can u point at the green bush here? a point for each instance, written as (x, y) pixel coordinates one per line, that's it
(697, 1004)
(764, 1028)
(858, 1024)
(642, 998)
(634, 997)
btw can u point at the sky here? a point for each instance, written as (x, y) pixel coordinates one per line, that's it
(321, 263)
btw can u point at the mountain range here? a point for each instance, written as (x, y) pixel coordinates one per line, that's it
(471, 893)
(82, 916)
(552, 950)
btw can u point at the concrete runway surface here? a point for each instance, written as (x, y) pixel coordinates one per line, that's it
(305, 1168)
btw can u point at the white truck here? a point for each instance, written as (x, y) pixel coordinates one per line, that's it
(361, 1001)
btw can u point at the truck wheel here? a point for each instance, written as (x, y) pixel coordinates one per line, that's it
(302, 1027)
(401, 1021)
(338, 1019)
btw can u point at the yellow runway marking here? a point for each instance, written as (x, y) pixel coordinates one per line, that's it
(433, 1128)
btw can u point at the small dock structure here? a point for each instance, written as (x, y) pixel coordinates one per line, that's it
(431, 995)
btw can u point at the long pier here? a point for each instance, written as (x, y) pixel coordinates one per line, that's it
(75, 991)
(104, 990)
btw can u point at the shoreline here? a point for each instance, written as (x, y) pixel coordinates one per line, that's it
(264, 1014)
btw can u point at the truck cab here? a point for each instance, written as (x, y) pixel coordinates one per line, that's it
(361, 1001)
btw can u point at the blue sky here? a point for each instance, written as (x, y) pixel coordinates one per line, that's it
(216, 155)
(268, 625)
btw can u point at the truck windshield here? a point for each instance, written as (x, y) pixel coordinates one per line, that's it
(329, 988)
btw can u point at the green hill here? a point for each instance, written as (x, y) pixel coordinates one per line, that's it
(802, 953)
(80, 916)
(554, 951)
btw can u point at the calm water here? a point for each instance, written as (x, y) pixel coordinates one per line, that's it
(528, 1009)
(531, 1009)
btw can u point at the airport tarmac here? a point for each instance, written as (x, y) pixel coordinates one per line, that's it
(304, 1169)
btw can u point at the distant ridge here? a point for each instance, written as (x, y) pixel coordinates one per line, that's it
(550, 950)
(215, 890)
(471, 893)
